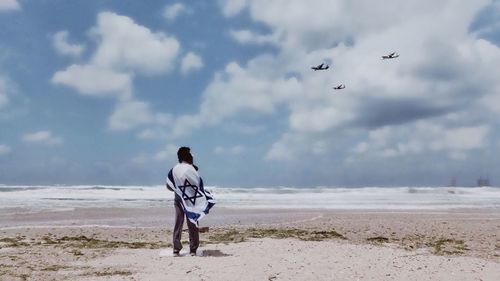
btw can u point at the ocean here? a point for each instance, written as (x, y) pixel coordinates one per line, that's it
(14, 198)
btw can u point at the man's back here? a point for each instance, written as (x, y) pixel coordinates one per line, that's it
(181, 174)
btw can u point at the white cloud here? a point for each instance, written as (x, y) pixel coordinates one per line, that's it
(231, 8)
(62, 46)
(422, 137)
(163, 118)
(127, 46)
(154, 133)
(4, 149)
(42, 137)
(233, 150)
(94, 80)
(435, 77)
(191, 62)
(465, 138)
(125, 49)
(282, 149)
(236, 90)
(318, 118)
(140, 159)
(129, 114)
(279, 151)
(148, 134)
(185, 124)
(293, 146)
(168, 153)
(242, 128)
(248, 37)
(322, 23)
(160, 129)
(9, 5)
(171, 12)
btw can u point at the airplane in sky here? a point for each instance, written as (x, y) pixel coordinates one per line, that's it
(339, 87)
(320, 67)
(390, 56)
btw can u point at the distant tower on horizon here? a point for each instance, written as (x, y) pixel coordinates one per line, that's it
(483, 181)
(453, 182)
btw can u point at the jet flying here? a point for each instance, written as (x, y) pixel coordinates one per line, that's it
(320, 67)
(390, 56)
(339, 87)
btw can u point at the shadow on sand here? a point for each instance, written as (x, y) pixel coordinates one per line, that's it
(214, 253)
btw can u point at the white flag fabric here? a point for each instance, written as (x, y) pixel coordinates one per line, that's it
(188, 187)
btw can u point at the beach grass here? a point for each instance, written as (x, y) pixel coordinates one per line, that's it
(79, 242)
(55, 267)
(447, 246)
(82, 241)
(437, 245)
(109, 273)
(378, 239)
(12, 242)
(236, 236)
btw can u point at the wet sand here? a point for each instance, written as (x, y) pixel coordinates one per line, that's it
(258, 244)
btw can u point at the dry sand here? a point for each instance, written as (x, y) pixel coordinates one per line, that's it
(124, 244)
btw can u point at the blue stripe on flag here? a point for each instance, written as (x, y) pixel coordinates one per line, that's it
(192, 216)
(171, 178)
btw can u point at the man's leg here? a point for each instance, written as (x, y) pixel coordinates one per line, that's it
(179, 222)
(194, 236)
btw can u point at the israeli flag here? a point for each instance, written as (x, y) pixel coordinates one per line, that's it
(188, 187)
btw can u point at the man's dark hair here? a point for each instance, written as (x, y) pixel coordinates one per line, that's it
(184, 154)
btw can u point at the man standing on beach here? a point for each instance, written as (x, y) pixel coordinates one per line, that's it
(191, 199)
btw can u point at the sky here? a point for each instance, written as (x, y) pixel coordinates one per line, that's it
(105, 91)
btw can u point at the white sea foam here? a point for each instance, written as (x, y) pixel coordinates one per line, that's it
(54, 198)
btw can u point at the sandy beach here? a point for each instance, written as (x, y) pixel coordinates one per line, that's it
(258, 244)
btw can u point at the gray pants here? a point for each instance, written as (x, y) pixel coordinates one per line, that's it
(194, 236)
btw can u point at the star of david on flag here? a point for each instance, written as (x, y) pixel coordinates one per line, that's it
(190, 192)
